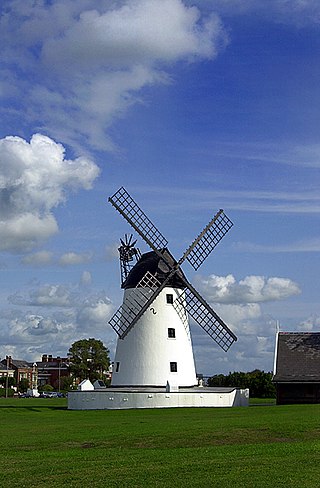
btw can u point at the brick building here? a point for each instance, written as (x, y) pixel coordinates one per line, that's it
(22, 369)
(5, 370)
(52, 371)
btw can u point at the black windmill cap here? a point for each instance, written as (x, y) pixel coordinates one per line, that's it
(152, 262)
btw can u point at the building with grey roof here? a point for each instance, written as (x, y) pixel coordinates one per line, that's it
(297, 367)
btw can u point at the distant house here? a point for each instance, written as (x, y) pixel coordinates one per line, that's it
(4, 371)
(51, 370)
(297, 367)
(22, 369)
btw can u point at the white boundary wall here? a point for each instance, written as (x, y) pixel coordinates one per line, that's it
(112, 399)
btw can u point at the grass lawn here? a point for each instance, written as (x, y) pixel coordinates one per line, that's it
(42, 443)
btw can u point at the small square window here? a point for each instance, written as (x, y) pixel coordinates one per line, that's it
(171, 333)
(170, 298)
(173, 367)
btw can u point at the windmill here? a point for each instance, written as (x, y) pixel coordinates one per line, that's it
(154, 346)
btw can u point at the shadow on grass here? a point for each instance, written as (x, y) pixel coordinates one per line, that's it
(267, 404)
(33, 407)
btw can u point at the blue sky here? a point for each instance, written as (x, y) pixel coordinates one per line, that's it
(192, 107)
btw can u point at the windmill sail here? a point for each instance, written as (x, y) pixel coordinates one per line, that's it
(207, 240)
(122, 319)
(131, 311)
(125, 317)
(131, 211)
(206, 317)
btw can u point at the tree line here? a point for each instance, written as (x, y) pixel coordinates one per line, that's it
(259, 383)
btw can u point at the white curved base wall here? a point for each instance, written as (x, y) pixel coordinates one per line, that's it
(114, 399)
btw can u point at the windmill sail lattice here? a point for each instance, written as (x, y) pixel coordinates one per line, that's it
(131, 211)
(207, 240)
(130, 312)
(122, 319)
(207, 318)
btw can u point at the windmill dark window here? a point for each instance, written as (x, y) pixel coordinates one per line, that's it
(117, 366)
(170, 298)
(173, 367)
(171, 333)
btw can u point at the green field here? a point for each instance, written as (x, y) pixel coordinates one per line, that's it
(44, 444)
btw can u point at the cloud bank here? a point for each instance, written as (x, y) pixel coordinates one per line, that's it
(84, 63)
(54, 316)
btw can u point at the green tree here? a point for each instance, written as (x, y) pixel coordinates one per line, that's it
(46, 387)
(90, 358)
(6, 393)
(217, 380)
(11, 381)
(65, 383)
(23, 385)
(259, 383)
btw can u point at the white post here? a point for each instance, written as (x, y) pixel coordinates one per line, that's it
(34, 382)
(7, 378)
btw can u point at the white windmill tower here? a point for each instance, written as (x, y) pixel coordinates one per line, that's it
(154, 346)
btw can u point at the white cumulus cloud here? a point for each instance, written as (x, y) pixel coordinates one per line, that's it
(86, 278)
(34, 179)
(73, 258)
(45, 296)
(32, 325)
(95, 312)
(252, 289)
(41, 258)
(90, 60)
(141, 32)
(310, 324)
(241, 305)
